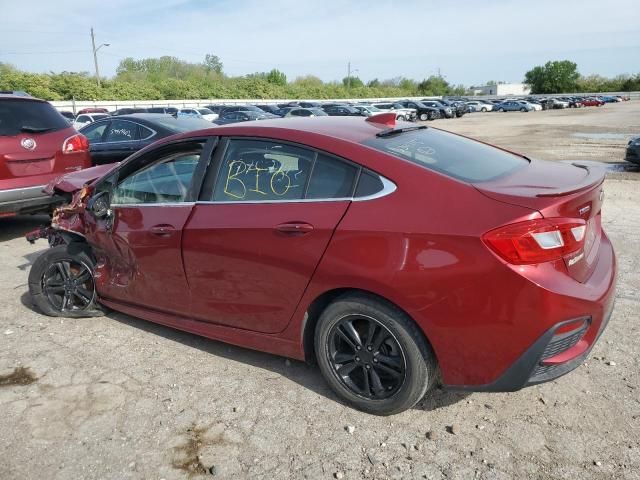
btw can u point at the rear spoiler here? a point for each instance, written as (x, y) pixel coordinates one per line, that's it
(595, 177)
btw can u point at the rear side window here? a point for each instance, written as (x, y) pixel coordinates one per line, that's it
(449, 154)
(255, 170)
(122, 131)
(268, 170)
(331, 178)
(18, 116)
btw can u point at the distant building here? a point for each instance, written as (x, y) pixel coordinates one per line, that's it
(504, 89)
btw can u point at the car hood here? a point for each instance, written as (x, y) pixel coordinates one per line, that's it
(74, 181)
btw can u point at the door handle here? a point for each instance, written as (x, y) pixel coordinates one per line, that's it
(162, 230)
(294, 228)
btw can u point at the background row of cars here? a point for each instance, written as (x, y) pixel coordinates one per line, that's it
(530, 104)
(407, 110)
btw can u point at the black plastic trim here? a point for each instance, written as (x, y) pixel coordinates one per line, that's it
(519, 374)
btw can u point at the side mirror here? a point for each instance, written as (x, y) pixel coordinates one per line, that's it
(98, 205)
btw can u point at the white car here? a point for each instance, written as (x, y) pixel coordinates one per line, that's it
(536, 106)
(402, 113)
(86, 119)
(205, 113)
(480, 106)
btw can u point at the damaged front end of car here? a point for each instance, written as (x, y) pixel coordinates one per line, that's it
(67, 222)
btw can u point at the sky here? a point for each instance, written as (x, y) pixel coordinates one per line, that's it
(468, 41)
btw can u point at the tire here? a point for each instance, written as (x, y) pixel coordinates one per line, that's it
(55, 282)
(483, 109)
(400, 343)
(424, 117)
(501, 110)
(523, 109)
(401, 118)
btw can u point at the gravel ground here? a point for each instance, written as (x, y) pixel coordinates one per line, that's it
(119, 398)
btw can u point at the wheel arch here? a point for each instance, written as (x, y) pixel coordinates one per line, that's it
(321, 302)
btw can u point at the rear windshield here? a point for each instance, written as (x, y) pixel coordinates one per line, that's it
(449, 154)
(30, 117)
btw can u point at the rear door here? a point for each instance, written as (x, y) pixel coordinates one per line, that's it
(260, 229)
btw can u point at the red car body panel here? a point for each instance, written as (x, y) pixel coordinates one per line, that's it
(245, 269)
(237, 277)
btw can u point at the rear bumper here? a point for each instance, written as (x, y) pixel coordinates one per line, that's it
(551, 354)
(530, 368)
(24, 200)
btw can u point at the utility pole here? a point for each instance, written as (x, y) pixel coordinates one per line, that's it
(95, 54)
(349, 75)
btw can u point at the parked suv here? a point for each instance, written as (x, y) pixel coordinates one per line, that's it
(37, 144)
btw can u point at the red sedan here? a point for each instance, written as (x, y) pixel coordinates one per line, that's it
(592, 102)
(390, 254)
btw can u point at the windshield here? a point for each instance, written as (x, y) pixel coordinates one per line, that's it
(449, 154)
(205, 111)
(18, 116)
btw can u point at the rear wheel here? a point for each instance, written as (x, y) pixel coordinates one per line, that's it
(483, 109)
(501, 109)
(372, 355)
(523, 109)
(61, 282)
(401, 118)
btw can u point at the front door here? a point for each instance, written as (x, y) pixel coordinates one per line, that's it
(255, 239)
(141, 244)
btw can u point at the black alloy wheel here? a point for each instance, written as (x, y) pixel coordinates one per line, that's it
(62, 284)
(68, 285)
(366, 357)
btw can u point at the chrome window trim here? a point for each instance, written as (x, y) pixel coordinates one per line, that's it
(388, 187)
(162, 204)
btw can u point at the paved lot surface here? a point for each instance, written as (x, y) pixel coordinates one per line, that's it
(120, 398)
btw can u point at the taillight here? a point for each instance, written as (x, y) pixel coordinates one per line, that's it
(537, 241)
(76, 143)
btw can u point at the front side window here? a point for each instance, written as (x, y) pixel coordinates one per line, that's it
(122, 131)
(165, 181)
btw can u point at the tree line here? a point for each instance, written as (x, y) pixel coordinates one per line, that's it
(170, 78)
(563, 77)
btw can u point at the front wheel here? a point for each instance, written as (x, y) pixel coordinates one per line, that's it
(523, 109)
(501, 110)
(372, 355)
(401, 118)
(61, 282)
(483, 109)
(424, 117)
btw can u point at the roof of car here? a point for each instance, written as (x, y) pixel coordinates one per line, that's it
(11, 96)
(350, 129)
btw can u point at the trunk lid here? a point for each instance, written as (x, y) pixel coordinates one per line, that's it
(569, 190)
(31, 136)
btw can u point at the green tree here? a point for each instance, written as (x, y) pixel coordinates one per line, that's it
(352, 82)
(276, 77)
(212, 63)
(435, 86)
(553, 77)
